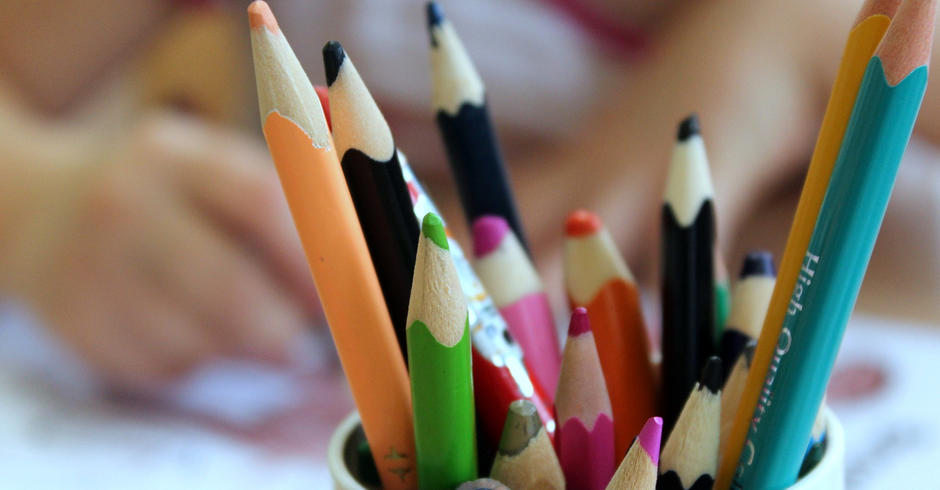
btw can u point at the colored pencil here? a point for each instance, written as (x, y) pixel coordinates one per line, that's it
(690, 455)
(323, 212)
(688, 287)
(585, 438)
(370, 163)
(748, 307)
(526, 458)
(459, 100)
(597, 278)
(439, 356)
(640, 466)
(837, 255)
(482, 484)
(731, 392)
(510, 277)
(869, 28)
(723, 299)
(499, 372)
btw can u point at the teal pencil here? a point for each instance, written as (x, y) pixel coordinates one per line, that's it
(838, 252)
(439, 356)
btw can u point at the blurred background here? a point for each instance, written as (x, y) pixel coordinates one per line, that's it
(158, 324)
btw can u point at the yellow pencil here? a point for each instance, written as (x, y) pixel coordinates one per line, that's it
(869, 28)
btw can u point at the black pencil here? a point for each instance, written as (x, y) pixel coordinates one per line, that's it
(459, 101)
(749, 303)
(688, 237)
(370, 163)
(690, 455)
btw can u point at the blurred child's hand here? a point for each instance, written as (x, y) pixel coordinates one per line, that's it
(176, 248)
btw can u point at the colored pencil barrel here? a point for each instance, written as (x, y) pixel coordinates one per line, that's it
(459, 101)
(864, 37)
(831, 274)
(323, 212)
(439, 356)
(511, 279)
(597, 278)
(688, 287)
(585, 437)
(373, 174)
(837, 255)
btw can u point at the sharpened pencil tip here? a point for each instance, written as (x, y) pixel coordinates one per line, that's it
(433, 228)
(333, 57)
(711, 375)
(580, 324)
(581, 223)
(259, 14)
(758, 263)
(488, 232)
(435, 14)
(688, 128)
(651, 437)
(749, 352)
(522, 425)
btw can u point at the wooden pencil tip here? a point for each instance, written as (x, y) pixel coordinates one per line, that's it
(688, 128)
(488, 232)
(581, 223)
(580, 323)
(333, 57)
(650, 438)
(433, 228)
(758, 263)
(712, 375)
(435, 14)
(259, 14)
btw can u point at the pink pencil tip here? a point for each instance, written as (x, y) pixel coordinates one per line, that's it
(259, 14)
(650, 438)
(580, 324)
(488, 233)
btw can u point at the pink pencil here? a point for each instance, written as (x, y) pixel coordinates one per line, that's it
(641, 464)
(511, 279)
(585, 439)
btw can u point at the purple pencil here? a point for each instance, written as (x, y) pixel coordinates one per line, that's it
(641, 464)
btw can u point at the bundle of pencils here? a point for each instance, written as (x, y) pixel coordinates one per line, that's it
(431, 357)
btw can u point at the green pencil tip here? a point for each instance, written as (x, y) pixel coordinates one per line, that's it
(433, 228)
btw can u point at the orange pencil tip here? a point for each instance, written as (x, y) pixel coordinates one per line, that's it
(582, 222)
(259, 14)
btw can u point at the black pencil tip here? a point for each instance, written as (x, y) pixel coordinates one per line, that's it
(758, 263)
(435, 14)
(688, 128)
(333, 56)
(711, 375)
(749, 352)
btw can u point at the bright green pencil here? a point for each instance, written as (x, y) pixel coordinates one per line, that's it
(438, 336)
(838, 252)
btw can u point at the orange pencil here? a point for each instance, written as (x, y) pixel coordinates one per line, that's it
(597, 278)
(310, 173)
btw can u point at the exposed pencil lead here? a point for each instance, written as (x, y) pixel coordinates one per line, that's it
(758, 263)
(580, 323)
(435, 14)
(749, 352)
(711, 375)
(333, 57)
(689, 127)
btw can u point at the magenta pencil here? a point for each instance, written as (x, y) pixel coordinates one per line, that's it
(510, 277)
(585, 438)
(640, 466)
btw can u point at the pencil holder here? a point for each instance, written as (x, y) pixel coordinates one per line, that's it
(344, 458)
